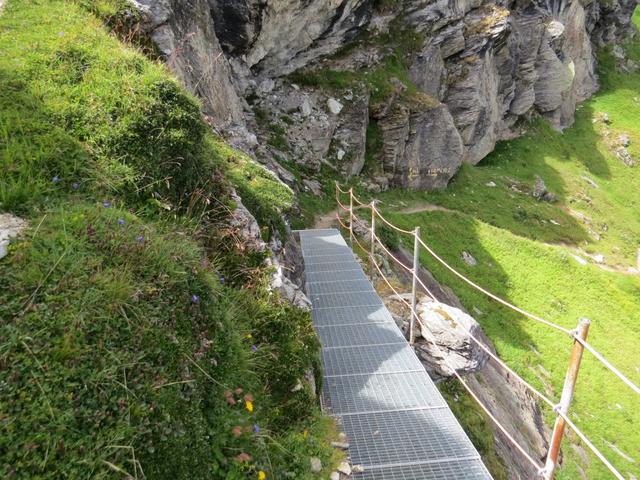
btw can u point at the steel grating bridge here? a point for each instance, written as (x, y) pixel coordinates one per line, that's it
(397, 424)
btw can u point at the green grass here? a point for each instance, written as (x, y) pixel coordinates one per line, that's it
(397, 45)
(129, 311)
(512, 236)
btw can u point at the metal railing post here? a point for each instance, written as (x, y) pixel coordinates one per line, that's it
(351, 216)
(416, 256)
(373, 232)
(565, 400)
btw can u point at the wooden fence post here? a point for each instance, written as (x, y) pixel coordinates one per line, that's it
(565, 400)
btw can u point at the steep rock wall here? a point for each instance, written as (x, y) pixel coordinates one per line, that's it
(485, 64)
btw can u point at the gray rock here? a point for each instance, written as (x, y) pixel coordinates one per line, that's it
(276, 37)
(422, 147)
(344, 468)
(246, 224)
(468, 259)
(334, 476)
(618, 53)
(341, 445)
(266, 86)
(623, 154)
(449, 328)
(624, 140)
(10, 227)
(184, 33)
(316, 464)
(350, 136)
(540, 191)
(305, 107)
(314, 186)
(334, 106)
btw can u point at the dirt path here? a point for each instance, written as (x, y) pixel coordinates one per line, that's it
(425, 207)
(583, 257)
(326, 220)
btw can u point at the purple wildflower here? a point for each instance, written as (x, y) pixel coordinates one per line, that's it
(75, 185)
(121, 221)
(222, 279)
(106, 204)
(55, 179)
(254, 348)
(195, 299)
(140, 238)
(256, 428)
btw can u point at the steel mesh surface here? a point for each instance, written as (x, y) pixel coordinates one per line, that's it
(351, 315)
(330, 277)
(332, 266)
(333, 258)
(322, 249)
(361, 360)
(333, 300)
(374, 393)
(405, 437)
(468, 469)
(397, 423)
(339, 286)
(359, 335)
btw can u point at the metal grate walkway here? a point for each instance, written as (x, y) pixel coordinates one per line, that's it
(397, 424)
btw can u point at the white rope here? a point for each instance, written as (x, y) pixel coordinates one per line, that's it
(530, 387)
(443, 356)
(532, 316)
(407, 268)
(591, 446)
(389, 224)
(607, 364)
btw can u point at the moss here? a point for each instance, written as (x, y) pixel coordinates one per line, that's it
(491, 16)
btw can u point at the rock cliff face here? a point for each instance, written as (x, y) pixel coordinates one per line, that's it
(472, 69)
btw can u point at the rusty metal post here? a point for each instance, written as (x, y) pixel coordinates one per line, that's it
(373, 234)
(414, 285)
(565, 400)
(351, 216)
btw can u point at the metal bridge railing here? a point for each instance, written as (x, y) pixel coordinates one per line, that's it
(579, 335)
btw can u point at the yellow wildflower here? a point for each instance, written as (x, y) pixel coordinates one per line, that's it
(249, 406)
(305, 434)
(261, 475)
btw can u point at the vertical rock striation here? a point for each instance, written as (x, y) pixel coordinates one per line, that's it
(483, 64)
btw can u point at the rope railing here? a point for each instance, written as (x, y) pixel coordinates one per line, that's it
(432, 340)
(571, 333)
(478, 342)
(578, 335)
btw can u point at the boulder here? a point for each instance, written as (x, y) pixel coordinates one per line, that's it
(334, 106)
(246, 224)
(316, 464)
(540, 191)
(10, 227)
(449, 327)
(468, 259)
(422, 147)
(313, 186)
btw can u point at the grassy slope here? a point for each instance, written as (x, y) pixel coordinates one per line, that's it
(126, 317)
(506, 232)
